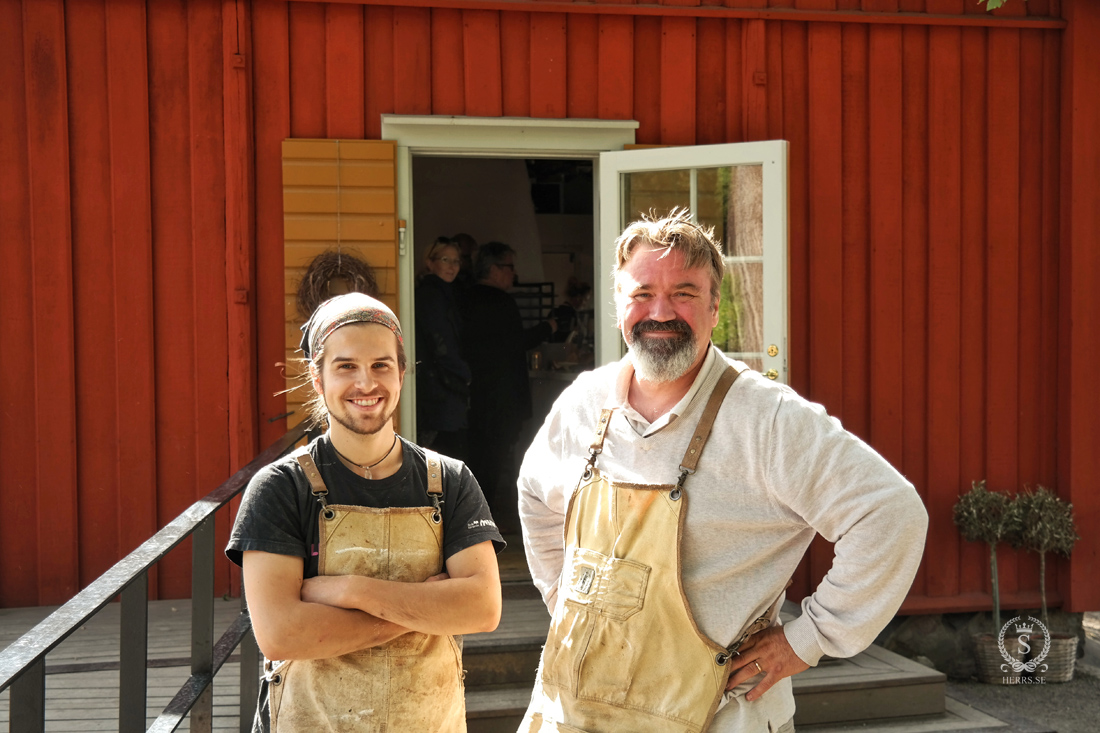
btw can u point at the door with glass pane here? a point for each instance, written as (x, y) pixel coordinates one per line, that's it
(741, 191)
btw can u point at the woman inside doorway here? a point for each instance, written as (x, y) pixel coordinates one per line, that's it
(442, 375)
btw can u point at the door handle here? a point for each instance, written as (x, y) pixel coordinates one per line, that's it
(771, 374)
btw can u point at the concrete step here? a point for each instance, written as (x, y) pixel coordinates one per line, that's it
(509, 655)
(873, 686)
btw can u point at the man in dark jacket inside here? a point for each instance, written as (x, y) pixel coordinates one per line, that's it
(495, 344)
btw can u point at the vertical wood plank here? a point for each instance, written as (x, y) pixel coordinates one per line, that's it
(884, 89)
(271, 82)
(18, 421)
(944, 301)
(548, 65)
(173, 275)
(677, 111)
(1002, 374)
(412, 48)
(210, 412)
(97, 399)
(344, 71)
(710, 80)
(825, 251)
(792, 80)
(734, 96)
(51, 244)
(773, 78)
(616, 67)
(515, 60)
(754, 75)
(1049, 355)
(582, 53)
(481, 51)
(448, 77)
(1079, 429)
(824, 258)
(855, 212)
(240, 256)
(307, 69)
(915, 364)
(379, 72)
(973, 558)
(647, 77)
(1030, 439)
(128, 105)
(1049, 351)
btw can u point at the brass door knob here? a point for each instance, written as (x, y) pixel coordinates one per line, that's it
(771, 374)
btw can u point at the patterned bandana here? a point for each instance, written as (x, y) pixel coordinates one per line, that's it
(340, 311)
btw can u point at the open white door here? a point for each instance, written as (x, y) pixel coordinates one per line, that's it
(740, 190)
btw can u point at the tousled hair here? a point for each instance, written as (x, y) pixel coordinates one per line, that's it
(674, 232)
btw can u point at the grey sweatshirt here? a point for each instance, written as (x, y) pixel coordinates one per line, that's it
(775, 471)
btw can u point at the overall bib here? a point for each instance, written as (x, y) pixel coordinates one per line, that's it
(411, 683)
(624, 652)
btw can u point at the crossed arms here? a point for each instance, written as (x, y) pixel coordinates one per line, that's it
(332, 615)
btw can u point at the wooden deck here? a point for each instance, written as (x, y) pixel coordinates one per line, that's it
(861, 693)
(82, 673)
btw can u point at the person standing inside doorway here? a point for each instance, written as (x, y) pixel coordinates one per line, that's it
(495, 344)
(362, 553)
(442, 375)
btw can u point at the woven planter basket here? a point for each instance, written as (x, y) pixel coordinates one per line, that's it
(1061, 660)
(989, 659)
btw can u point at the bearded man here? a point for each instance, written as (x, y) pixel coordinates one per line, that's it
(687, 489)
(363, 554)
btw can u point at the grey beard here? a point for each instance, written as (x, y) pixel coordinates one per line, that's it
(663, 360)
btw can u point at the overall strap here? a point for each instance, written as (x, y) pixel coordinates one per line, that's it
(435, 482)
(706, 422)
(597, 443)
(316, 483)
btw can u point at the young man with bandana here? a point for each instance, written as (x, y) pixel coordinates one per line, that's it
(687, 489)
(363, 554)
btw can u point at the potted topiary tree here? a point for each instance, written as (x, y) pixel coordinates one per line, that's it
(1046, 525)
(989, 517)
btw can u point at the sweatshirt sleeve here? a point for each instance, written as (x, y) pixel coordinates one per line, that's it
(851, 496)
(543, 496)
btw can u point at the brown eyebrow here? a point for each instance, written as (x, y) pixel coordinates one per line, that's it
(346, 359)
(677, 286)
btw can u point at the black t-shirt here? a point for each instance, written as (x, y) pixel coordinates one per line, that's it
(278, 513)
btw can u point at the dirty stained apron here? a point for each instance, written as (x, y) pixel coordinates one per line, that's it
(412, 683)
(624, 652)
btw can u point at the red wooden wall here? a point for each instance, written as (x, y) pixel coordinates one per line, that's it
(937, 215)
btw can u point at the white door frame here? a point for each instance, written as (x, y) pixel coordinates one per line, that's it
(486, 137)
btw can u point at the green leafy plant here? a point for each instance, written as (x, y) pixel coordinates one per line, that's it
(1045, 525)
(990, 517)
(993, 4)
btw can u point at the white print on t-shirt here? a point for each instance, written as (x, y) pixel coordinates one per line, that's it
(475, 523)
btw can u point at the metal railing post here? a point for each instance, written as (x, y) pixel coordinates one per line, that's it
(27, 713)
(133, 654)
(202, 622)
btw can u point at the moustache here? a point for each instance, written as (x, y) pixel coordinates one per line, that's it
(650, 326)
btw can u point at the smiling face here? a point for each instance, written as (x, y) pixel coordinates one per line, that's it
(445, 262)
(359, 378)
(665, 311)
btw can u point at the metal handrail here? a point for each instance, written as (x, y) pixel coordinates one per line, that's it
(22, 664)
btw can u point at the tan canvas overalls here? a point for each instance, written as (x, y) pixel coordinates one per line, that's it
(412, 683)
(624, 652)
